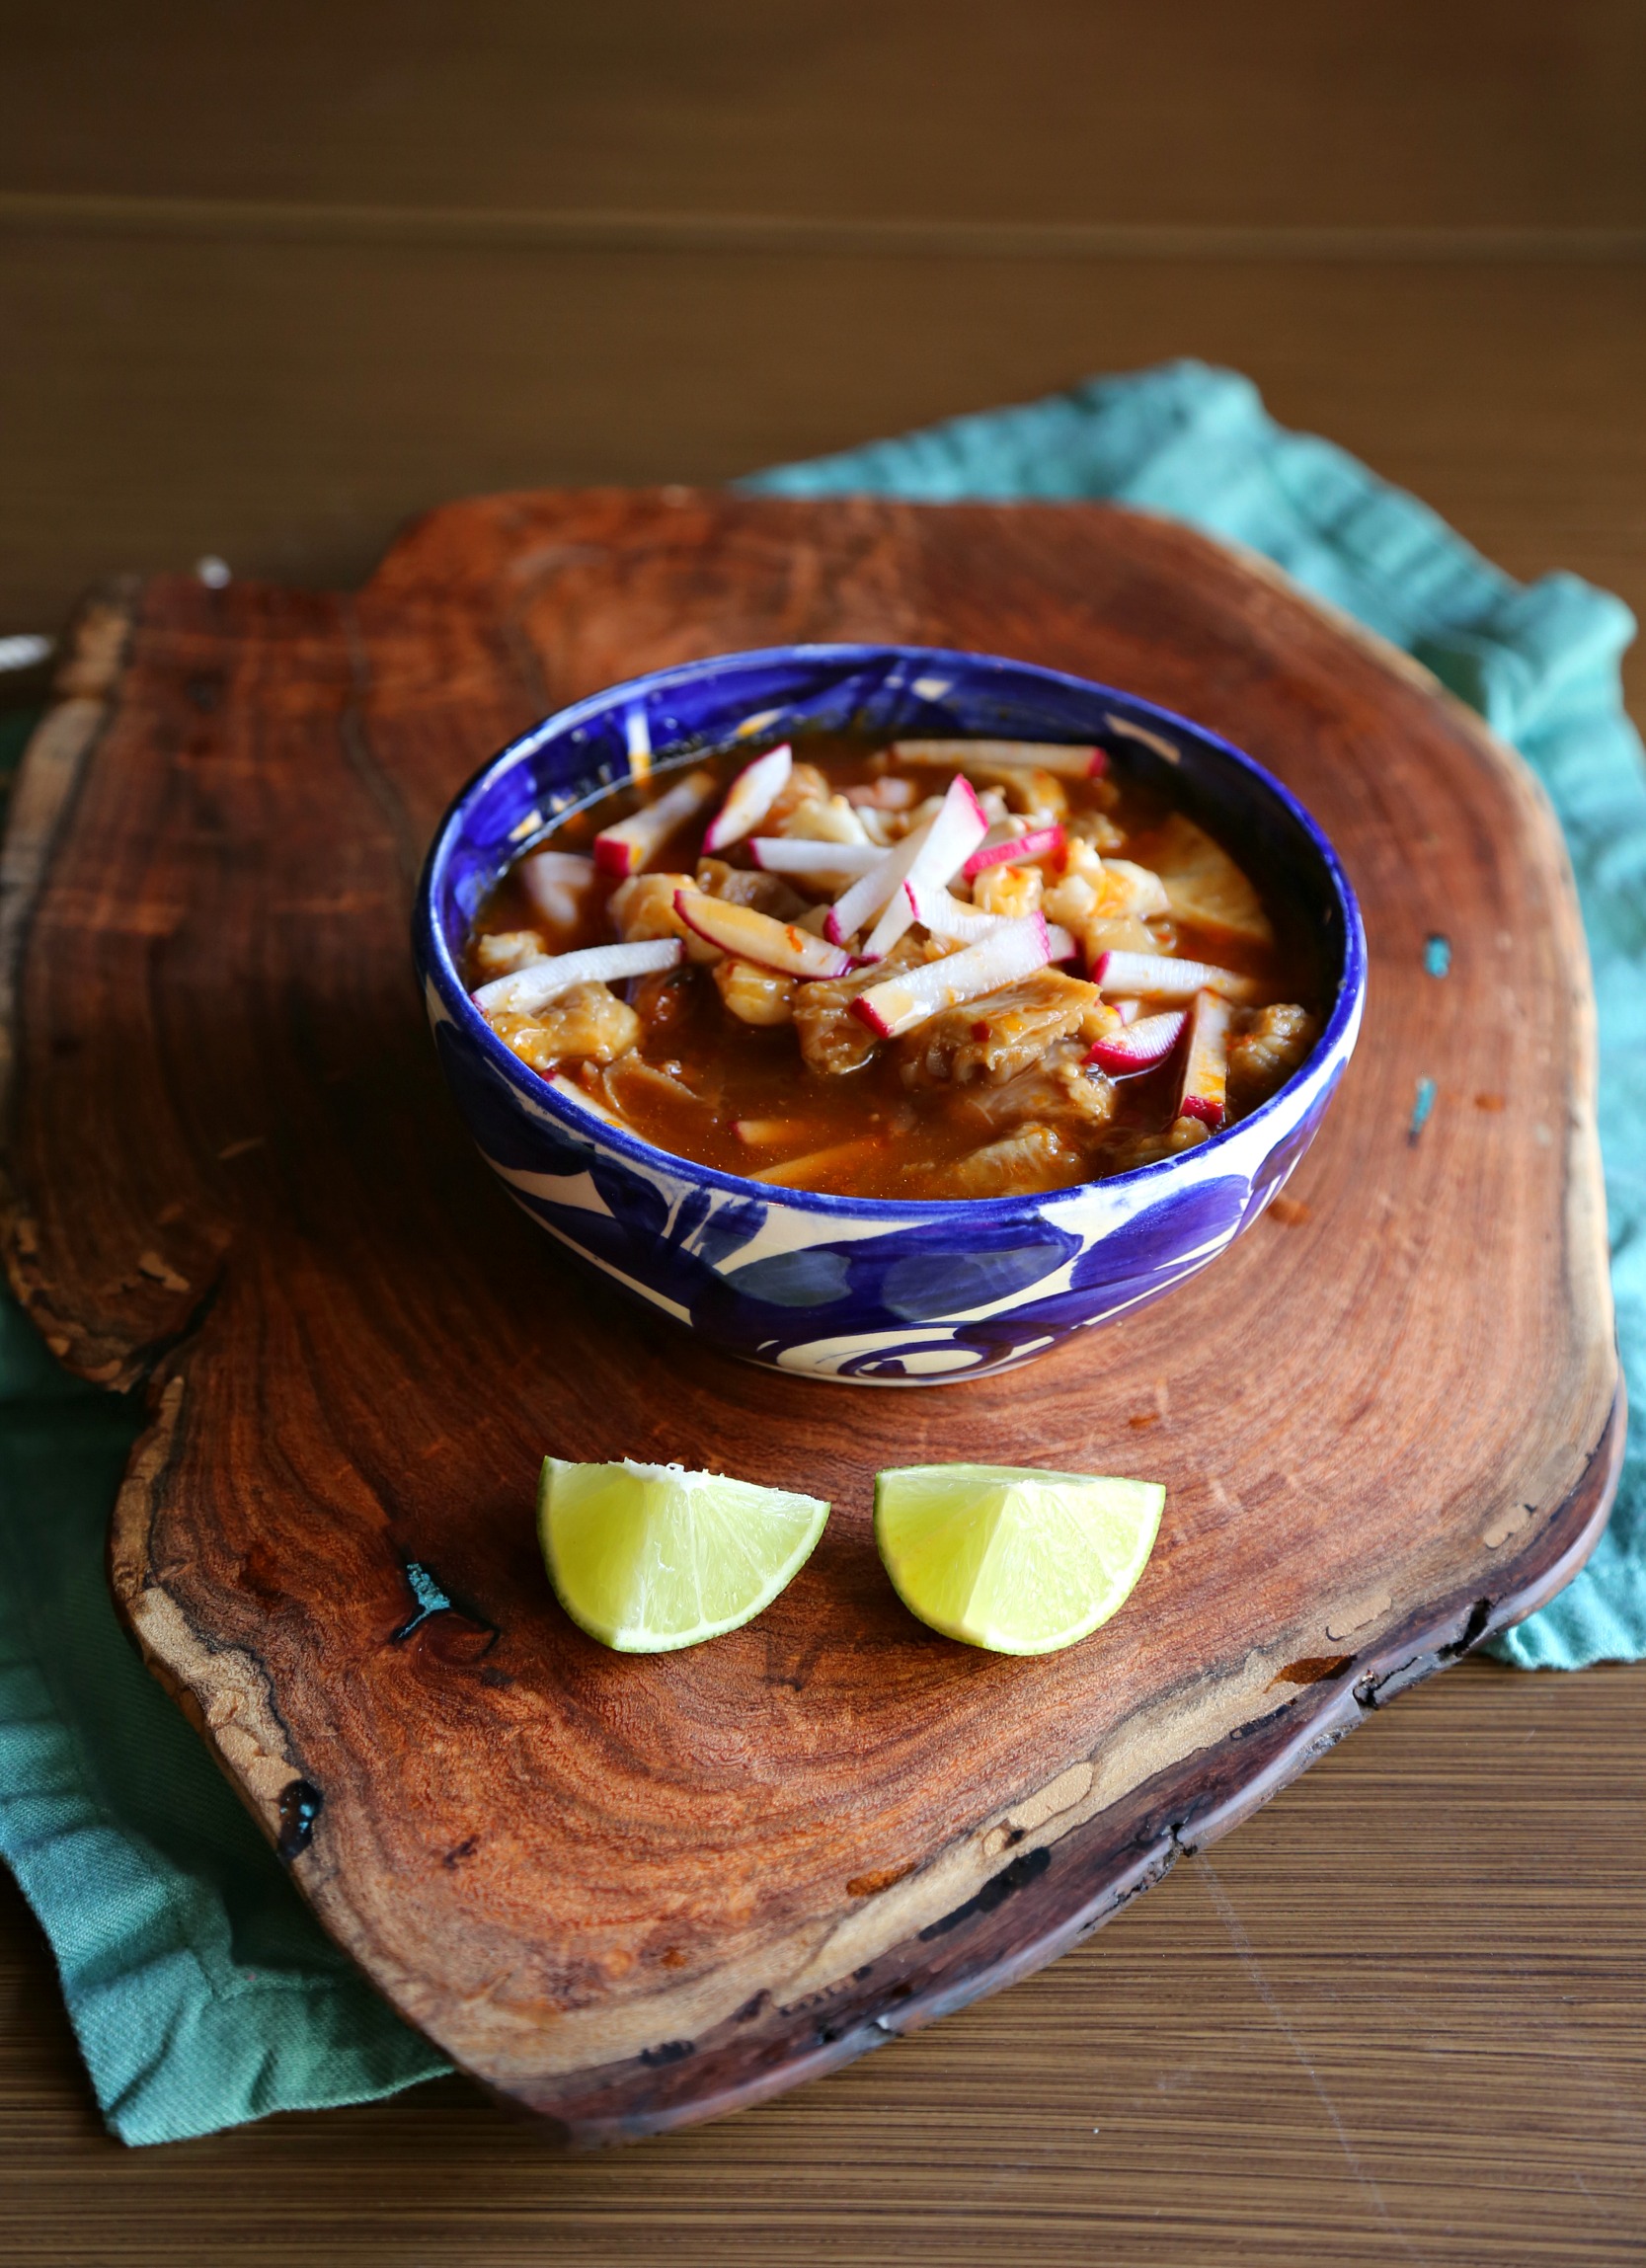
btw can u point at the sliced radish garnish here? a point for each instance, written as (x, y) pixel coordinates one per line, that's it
(1015, 948)
(1001, 846)
(1061, 944)
(1205, 1067)
(954, 835)
(1158, 978)
(557, 881)
(945, 916)
(1078, 763)
(539, 981)
(625, 849)
(1139, 1047)
(1129, 1011)
(749, 797)
(751, 936)
(874, 888)
(793, 854)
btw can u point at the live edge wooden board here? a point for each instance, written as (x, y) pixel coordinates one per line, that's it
(631, 1891)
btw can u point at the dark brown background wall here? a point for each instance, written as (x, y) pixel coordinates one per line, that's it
(271, 279)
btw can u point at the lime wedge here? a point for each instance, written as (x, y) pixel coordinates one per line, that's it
(649, 1557)
(1011, 1558)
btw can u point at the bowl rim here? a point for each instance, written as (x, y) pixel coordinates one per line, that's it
(434, 962)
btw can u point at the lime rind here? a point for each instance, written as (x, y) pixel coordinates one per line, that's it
(647, 1559)
(1012, 1558)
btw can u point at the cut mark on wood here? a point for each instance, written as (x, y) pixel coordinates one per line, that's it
(1289, 1212)
(1491, 1102)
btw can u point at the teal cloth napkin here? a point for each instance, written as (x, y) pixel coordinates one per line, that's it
(200, 1989)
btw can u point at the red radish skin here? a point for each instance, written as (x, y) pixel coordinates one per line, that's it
(1157, 976)
(749, 799)
(1015, 949)
(1139, 1047)
(955, 834)
(525, 989)
(999, 847)
(625, 849)
(756, 937)
(1206, 1067)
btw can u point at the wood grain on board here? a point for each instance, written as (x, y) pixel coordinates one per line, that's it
(629, 1892)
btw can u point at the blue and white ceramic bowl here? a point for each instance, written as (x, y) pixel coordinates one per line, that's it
(853, 1288)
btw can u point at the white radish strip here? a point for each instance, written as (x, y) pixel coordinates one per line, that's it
(625, 849)
(539, 981)
(1139, 1047)
(749, 797)
(1129, 1011)
(1157, 977)
(875, 888)
(1079, 763)
(945, 916)
(751, 936)
(1061, 944)
(1205, 1067)
(955, 834)
(791, 854)
(557, 881)
(1015, 949)
(1010, 845)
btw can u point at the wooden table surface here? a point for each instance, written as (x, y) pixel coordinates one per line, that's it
(272, 281)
